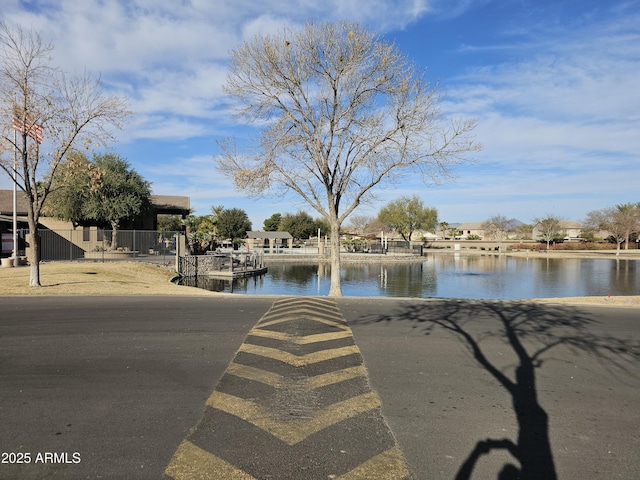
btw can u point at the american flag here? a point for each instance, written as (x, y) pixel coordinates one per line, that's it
(34, 130)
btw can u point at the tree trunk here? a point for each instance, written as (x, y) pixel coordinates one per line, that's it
(114, 236)
(336, 289)
(534, 445)
(34, 257)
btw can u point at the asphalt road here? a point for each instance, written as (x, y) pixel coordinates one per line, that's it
(110, 387)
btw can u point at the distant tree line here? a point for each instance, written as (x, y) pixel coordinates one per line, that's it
(300, 225)
(620, 224)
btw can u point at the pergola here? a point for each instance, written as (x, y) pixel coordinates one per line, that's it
(259, 239)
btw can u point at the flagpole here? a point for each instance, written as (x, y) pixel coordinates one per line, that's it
(15, 199)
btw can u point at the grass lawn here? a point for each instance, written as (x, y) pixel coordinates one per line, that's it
(94, 278)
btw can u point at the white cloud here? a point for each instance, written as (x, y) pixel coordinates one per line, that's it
(168, 56)
(573, 99)
(558, 115)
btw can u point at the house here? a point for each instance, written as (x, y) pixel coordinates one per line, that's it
(83, 237)
(470, 228)
(571, 229)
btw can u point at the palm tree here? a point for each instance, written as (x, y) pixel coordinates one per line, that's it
(217, 211)
(444, 228)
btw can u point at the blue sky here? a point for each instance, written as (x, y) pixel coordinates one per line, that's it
(554, 85)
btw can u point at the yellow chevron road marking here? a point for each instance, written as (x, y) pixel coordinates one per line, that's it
(191, 462)
(289, 411)
(293, 431)
(389, 465)
(298, 360)
(296, 318)
(305, 302)
(306, 340)
(310, 306)
(275, 379)
(255, 374)
(336, 377)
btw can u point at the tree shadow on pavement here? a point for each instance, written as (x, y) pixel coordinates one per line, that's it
(532, 332)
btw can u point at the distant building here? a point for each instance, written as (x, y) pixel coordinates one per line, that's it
(269, 240)
(571, 229)
(470, 228)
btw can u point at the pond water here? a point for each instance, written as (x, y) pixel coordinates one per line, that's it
(446, 276)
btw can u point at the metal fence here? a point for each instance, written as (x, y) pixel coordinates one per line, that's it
(396, 247)
(96, 244)
(157, 246)
(228, 264)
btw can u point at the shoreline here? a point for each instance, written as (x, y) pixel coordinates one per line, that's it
(139, 278)
(347, 257)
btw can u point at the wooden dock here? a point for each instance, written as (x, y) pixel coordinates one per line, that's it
(238, 273)
(222, 265)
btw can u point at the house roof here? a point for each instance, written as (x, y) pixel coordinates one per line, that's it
(9, 218)
(6, 202)
(470, 226)
(171, 204)
(165, 204)
(570, 224)
(268, 235)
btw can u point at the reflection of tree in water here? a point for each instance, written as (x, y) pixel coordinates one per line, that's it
(407, 279)
(235, 285)
(298, 274)
(398, 279)
(531, 331)
(624, 274)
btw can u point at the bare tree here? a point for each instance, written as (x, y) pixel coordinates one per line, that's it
(498, 228)
(41, 106)
(360, 223)
(341, 112)
(549, 228)
(620, 222)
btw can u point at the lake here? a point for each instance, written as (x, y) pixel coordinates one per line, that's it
(496, 277)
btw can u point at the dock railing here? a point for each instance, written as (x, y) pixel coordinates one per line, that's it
(224, 264)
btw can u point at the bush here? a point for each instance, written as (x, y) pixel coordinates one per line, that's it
(581, 246)
(565, 246)
(528, 246)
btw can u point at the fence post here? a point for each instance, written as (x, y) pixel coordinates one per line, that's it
(180, 247)
(178, 255)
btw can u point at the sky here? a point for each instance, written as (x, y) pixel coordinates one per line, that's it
(554, 86)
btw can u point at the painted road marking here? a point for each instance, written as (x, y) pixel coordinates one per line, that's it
(299, 360)
(293, 431)
(294, 403)
(191, 462)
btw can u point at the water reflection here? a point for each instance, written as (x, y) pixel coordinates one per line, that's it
(446, 276)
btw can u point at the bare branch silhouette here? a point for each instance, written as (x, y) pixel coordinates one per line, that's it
(532, 331)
